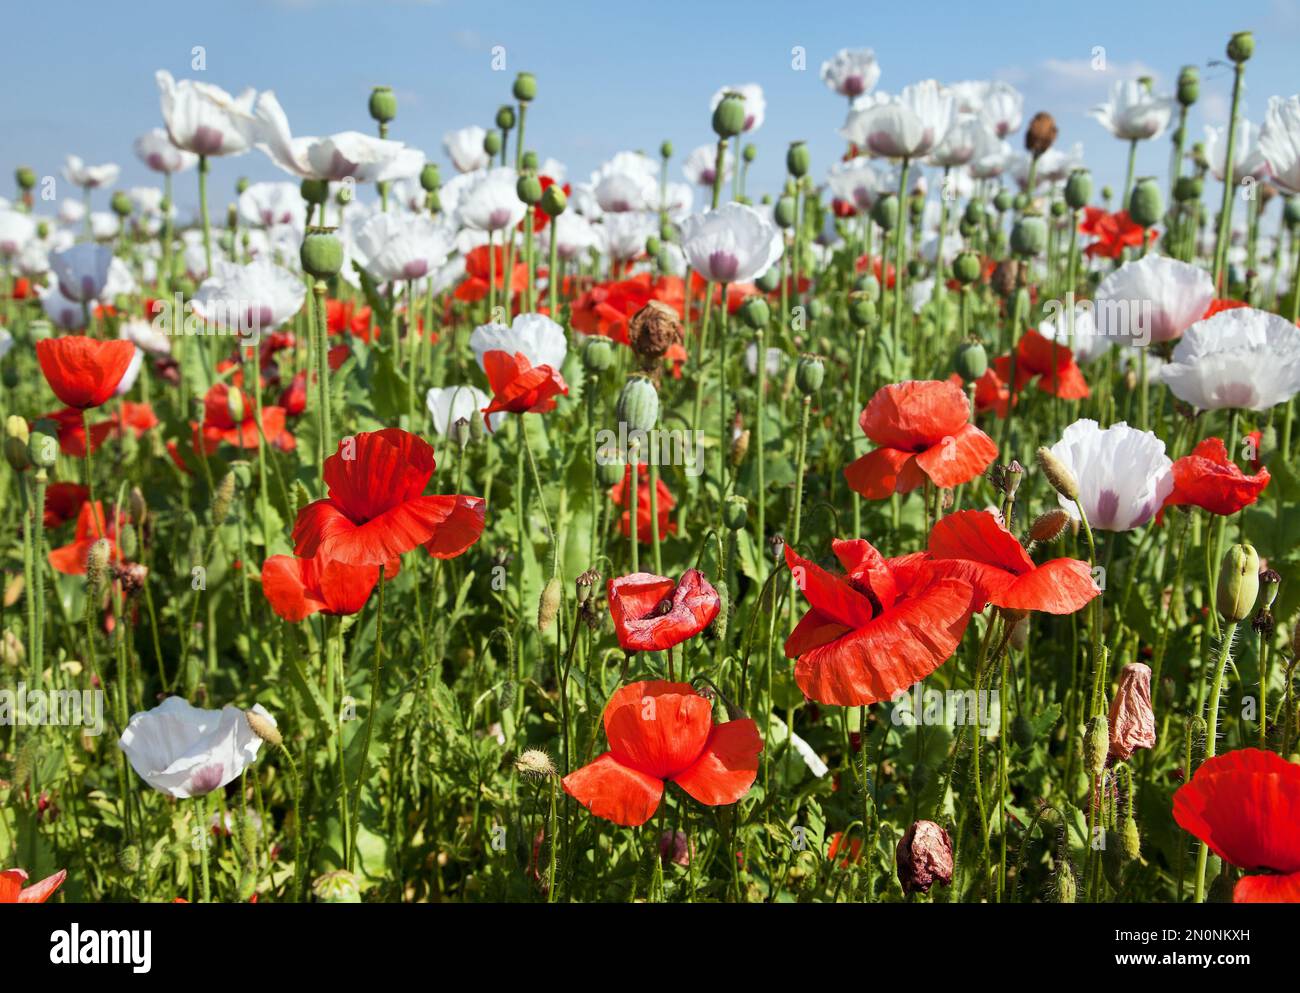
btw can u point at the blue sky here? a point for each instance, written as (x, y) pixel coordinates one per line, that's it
(610, 75)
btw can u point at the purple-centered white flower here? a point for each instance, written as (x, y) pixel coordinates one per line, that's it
(992, 157)
(623, 236)
(851, 72)
(1124, 474)
(82, 270)
(268, 205)
(16, 231)
(535, 336)
(733, 244)
(400, 246)
(90, 177)
(1151, 299)
(755, 105)
(1279, 142)
(1134, 112)
(491, 202)
(905, 126)
(1247, 159)
(465, 148)
(1003, 109)
(186, 751)
(249, 299)
(574, 236)
(859, 182)
(627, 182)
(155, 149)
(959, 143)
(346, 155)
(205, 119)
(144, 335)
(1243, 358)
(701, 165)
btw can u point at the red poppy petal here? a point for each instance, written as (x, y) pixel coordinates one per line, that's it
(727, 768)
(977, 535)
(864, 565)
(959, 458)
(615, 791)
(915, 414)
(875, 475)
(322, 528)
(637, 595)
(42, 891)
(83, 372)
(11, 884)
(285, 590)
(460, 528)
(657, 727)
(1267, 889)
(829, 594)
(375, 471)
(1060, 586)
(813, 631)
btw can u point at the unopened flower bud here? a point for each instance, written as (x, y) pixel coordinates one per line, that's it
(97, 562)
(1238, 583)
(1058, 474)
(1065, 887)
(534, 764)
(739, 448)
(735, 513)
(127, 541)
(1049, 525)
(16, 441)
(235, 405)
(1096, 745)
(264, 727)
(923, 857)
(223, 498)
(548, 605)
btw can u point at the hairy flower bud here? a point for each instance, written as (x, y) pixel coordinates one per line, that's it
(548, 605)
(1064, 890)
(339, 886)
(1049, 525)
(97, 563)
(534, 763)
(923, 857)
(1058, 474)
(223, 498)
(1238, 583)
(264, 728)
(1096, 745)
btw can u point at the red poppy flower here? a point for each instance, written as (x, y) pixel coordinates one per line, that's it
(664, 497)
(297, 588)
(63, 502)
(1113, 232)
(873, 631)
(294, 397)
(1246, 806)
(83, 372)
(846, 858)
(202, 439)
(13, 891)
(972, 545)
(660, 731)
(652, 613)
(875, 265)
(480, 269)
(606, 307)
(520, 387)
(72, 432)
(923, 432)
(1210, 480)
(344, 317)
(218, 421)
(375, 510)
(134, 417)
(92, 524)
(1053, 364)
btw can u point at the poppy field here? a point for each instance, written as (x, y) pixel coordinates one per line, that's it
(436, 523)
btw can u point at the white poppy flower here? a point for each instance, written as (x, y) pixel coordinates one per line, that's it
(104, 226)
(733, 244)
(72, 212)
(205, 119)
(143, 334)
(852, 72)
(624, 235)
(82, 270)
(129, 377)
(449, 404)
(491, 203)
(755, 105)
(16, 230)
(257, 297)
(1247, 159)
(265, 205)
(1151, 299)
(538, 338)
(64, 314)
(627, 182)
(1279, 142)
(1133, 112)
(90, 177)
(156, 150)
(700, 166)
(465, 149)
(1241, 358)
(906, 126)
(959, 143)
(1124, 474)
(992, 157)
(859, 181)
(186, 751)
(346, 155)
(574, 235)
(395, 246)
(1003, 109)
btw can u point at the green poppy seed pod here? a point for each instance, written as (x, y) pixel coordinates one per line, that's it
(735, 513)
(666, 149)
(1029, 236)
(492, 143)
(321, 254)
(506, 117)
(525, 88)
(1241, 46)
(1020, 201)
(1238, 583)
(554, 201)
(885, 211)
(598, 354)
(638, 404)
(16, 440)
(128, 541)
(430, 177)
(1269, 582)
(97, 562)
(528, 161)
(653, 246)
(797, 159)
(26, 177)
(809, 374)
(610, 473)
(549, 604)
(729, 116)
(770, 280)
(749, 153)
(223, 498)
(784, 212)
(43, 444)
(315, 191)
(1189, 85)
(862, 309)
(1058, 474)
(970, 361)
(1188, 188)
(974, 212)
(1096, 745)
(383, 105)
(339, 886)
(1145, 203)
(1003, 201)
(529, 189)
(1291, 212)
(967, 267)
(1078, 189)
(121, 204)
(755, 313)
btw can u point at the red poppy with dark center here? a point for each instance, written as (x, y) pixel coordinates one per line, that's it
(518, 386)
(1053, 364)
(875, 630)
(660, 731)
(217, 418)
(72, 432)
(1113, 232)
(652, 613)
(923, 432)
(1246, 806)
(83, 372)
(619, 493)
(1210, 480)
(63, 502)
(974, 546)
(296, 588)
(376, 510)
(92, 524)
(13, 890)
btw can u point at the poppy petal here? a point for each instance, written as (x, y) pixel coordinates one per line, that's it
(657, 727)
(461, 526)
(1060, 586)
(958, 458)
(1268, 889)
(875, 475)
(42, 891)
(831, 595)
(727, 768)
(285, 588)
(615, 791)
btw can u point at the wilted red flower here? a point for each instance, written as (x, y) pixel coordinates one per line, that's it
(218, 422)
(519, 387)
(923, 857)
(873, 631)
(375, 510)
(83, 372)
(664, 498)
(1113, 232)
(974, 546)
(652, 613)
(1053, 364)
(13, 891)
(63, 501)
(297, 588)
(1210, 480)
(923, 432)
(660, 731)
(1132, 722)
(1246, 806)
(72, 432)
(92, 524)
